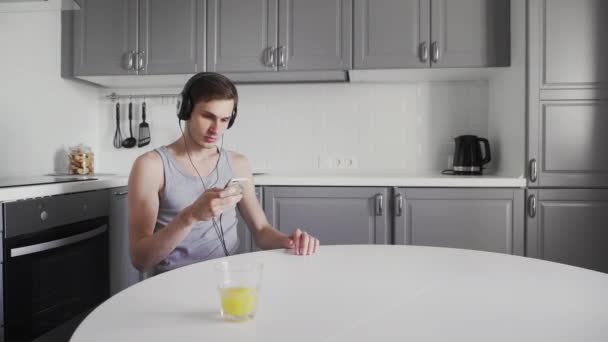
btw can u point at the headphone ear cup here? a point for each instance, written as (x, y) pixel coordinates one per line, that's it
(232, 119)
(184, 109)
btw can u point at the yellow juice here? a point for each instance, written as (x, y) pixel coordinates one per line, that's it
(238, 302)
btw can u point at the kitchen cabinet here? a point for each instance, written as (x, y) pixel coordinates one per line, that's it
(568, 47)
(566, 143)
(247, 243)
(568, 226)
(122, 272)
(335, 215)
(279, 35)
(482, 219)
(431, 33)
(127, 37)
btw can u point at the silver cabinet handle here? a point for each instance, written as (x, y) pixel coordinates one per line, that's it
(120, 193)
(141, 60)
(533, 174)
(282, 50)
(379, 204)
(532, 205)
(128, 60)
(423, 52)
(398, 205)
(270, 53)
(45, 246)
(434, 52)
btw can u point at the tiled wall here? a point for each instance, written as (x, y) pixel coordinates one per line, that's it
(292, 127)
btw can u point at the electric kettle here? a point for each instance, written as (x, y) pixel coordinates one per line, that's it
(468, 156)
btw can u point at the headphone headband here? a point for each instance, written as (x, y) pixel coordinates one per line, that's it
(187, 104)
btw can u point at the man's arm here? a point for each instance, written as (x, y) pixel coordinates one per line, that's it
(147, 248)
(265, 235)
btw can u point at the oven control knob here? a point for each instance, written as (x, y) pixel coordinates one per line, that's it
(44, 215)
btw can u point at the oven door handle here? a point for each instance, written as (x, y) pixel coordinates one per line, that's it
(45, 246)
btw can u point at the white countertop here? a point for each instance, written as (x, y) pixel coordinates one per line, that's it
(367, 293)
(285, 179)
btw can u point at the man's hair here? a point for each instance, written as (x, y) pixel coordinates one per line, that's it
(213, 86)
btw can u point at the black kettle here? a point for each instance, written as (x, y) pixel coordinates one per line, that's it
(468, 156)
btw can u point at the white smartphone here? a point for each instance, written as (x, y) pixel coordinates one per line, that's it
(238, 184)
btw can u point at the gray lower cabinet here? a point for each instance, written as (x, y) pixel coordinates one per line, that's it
(431, 33)
(336, 215)
(122, 272)
(247, 244)
(567, 143)
(279, 35)
(481, 219)
(122, 37)
(569, 226)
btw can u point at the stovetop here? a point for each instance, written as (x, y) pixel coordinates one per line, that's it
(38, 180)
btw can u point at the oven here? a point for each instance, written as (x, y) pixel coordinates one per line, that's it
(56, 265)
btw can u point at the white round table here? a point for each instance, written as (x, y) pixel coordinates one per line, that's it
(368, 293)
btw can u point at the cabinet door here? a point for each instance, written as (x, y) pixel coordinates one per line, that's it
(122, 272)
(315, 35)
(105, 34)
(241, 35)
(569, 45)
(481, 219)
(470, 33)
(569, 226)
(335, 215)
(567, 140)
(168, 35)
(247, 244)
(391, 34)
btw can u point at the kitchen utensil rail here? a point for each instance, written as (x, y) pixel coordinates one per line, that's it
(114, 96)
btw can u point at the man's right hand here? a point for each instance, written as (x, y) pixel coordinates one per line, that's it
(212, 203)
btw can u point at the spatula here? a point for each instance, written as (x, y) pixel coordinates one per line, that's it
(144, 128)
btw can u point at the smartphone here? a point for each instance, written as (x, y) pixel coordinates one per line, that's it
(238, 184)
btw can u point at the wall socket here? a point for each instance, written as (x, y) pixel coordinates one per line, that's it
(334, 162)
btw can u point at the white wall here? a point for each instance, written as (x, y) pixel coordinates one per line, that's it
(40, 113)
(385, 127)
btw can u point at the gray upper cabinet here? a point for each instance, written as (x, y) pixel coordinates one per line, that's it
(122, 37)
(169, 36)
(568, 226)
(279, 35)
(470, 33)
(481, 219)
(105, 37)
(431, 33)
(568, 46)
(335, 215)
(391, 34)
(122, 272)
(567, 144)
(241, 35)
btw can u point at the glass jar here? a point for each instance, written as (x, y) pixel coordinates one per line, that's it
(81, 160)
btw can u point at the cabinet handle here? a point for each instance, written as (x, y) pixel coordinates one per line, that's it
(532, 205)
(379, 205)
(282, 52)
(423, 52)
(270, 52)
(533, 170)
(120, 193)
(398, 205)
(141, 65)
(128, 60)
(435, 52)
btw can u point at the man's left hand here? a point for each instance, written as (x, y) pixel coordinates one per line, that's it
(302, 243)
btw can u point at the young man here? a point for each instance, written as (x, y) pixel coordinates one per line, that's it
(179, 211)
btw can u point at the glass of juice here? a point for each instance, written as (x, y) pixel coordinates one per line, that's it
(239, 285)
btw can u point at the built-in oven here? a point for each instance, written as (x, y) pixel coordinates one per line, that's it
(56, 265)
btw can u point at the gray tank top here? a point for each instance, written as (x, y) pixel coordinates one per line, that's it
(181, 189)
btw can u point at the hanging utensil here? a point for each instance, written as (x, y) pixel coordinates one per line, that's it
(118, 133)
(144, 128)
(130, 141)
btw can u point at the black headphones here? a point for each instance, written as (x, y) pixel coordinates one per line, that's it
(187, 105)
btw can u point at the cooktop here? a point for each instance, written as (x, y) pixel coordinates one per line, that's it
(38, 180)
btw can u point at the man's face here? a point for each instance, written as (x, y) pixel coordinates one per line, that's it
(209, 120)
